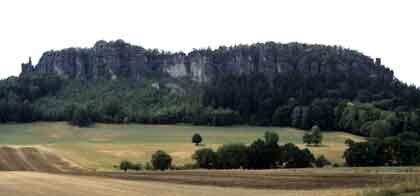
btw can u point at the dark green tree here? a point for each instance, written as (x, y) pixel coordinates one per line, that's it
(125, 165)
(293, 157)
(322, 113)
(313, 137)
(307, 138)
(205, 158)
(81, 117)
(281, 116)
(197, 139)
(137, 166)
(232, 156)
(113, 111)
(316, 135)
(259, 155)
(321, 161)
(381, 129)
(271, 138)
(161, 160)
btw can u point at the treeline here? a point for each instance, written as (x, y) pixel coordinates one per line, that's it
(400, 150)
(48, 98)
(17, 95)
(333, 102)
(160, 161)
(260, 154)
(352, 101)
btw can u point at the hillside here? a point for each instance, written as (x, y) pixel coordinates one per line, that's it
(298, 85)
(33, 159)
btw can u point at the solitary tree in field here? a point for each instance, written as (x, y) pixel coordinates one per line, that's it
(197, 139)
(307, 138)
(313, 137)
(316, 135)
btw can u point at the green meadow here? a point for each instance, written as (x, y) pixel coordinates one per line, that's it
(104, 145)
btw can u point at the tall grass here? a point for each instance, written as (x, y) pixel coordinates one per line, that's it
(410, 186)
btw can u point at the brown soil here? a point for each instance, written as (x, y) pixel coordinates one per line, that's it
(41, 184)
(259, 180)
(33, 159)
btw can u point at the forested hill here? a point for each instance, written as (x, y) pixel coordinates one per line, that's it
(292, 84)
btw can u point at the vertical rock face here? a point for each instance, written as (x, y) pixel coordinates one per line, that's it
(27, 67)
(111, 60)
(119, 60)
(176, 66)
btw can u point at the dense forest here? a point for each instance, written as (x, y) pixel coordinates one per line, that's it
(356, 100)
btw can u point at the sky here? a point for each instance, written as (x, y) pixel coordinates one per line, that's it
(388, 29)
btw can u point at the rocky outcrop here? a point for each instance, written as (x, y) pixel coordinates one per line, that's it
(118, 59)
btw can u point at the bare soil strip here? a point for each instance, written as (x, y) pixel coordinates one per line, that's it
(258, 180)
(41, 184)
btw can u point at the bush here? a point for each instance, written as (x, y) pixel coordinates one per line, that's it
(197, 139)
(232, 156)
(187, 166)
(137, 166)
(293, 157)
(148, 166)
(125, 165)
(321, 161)
(161, 160)
(205, 158)
(262, 156)
(307, 138)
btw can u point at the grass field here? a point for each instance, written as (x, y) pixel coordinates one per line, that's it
(104, 145)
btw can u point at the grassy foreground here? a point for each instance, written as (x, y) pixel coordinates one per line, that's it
(104, 145)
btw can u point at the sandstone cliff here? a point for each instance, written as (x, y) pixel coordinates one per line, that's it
(118, 59)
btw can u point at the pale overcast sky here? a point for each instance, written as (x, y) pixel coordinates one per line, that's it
(378, 28)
